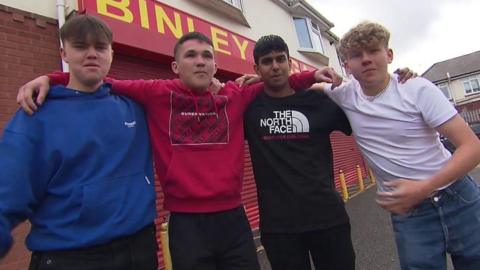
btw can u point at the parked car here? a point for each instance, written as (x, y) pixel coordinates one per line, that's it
(476, 129)
(450, 147)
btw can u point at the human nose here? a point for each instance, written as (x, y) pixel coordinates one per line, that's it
(275, 64)
(200, 60)
(366, 58)
(91, 52)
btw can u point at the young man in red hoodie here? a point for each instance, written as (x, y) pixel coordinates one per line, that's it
(198, 142)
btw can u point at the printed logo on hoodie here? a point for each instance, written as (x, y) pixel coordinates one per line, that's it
(198, 119)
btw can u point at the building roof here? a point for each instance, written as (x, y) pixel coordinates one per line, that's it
(456, 67)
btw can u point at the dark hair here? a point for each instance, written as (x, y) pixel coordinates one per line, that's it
(268, 44)
(190, 36)
(86, 27)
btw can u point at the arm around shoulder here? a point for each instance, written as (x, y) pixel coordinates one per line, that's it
(305, 79)
(140, 90)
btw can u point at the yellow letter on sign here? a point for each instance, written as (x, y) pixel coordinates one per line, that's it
(122, 5)
(162, 18)
(142, 5)
(216, 40)
(241, 47)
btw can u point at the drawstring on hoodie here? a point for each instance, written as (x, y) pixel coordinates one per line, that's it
(195, 102)
(214, 104)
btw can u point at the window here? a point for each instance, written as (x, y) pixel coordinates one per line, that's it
(475, 86)
(309, 34)
(317, 37)
(445, 90)
(235, 3)
(303, 33)
(471, 85)
(468, 88)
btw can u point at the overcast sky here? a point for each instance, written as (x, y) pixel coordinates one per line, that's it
(423, 32)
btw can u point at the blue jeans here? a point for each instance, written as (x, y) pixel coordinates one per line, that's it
(447, 222)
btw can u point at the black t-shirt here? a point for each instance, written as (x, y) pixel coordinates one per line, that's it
(289, 140)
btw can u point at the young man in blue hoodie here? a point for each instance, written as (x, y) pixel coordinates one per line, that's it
(80, 170)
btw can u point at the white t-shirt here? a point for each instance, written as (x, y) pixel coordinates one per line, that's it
(395, 130)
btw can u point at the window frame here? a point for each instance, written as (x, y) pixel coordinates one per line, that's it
(471, 90)
(316, 43)
(318, 32)
(305, 21)
(448, 92)
(236, 3)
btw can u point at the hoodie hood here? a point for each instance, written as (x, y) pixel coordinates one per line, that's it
(62, 92)
(195, 96)
(183, 88)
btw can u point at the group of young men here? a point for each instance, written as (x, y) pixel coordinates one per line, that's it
(80, 167)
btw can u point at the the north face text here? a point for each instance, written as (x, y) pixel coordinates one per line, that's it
(285, 122)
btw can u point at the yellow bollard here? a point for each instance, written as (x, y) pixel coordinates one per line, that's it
(343, 185)
(360, 179)
(372, 177)
(166, 251)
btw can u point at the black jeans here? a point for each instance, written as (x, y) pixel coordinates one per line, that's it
(212, 241)
(134, 252)
(330, 249)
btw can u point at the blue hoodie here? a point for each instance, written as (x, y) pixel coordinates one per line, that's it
(79, 169)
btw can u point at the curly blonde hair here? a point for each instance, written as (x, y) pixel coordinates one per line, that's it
(364, 35)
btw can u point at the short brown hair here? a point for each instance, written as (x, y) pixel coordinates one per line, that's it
(86, 27)
(190, 36)
(363, 35)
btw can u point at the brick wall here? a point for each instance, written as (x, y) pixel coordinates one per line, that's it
(28, 48)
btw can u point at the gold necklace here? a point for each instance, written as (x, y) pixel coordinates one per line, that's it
(372, 98)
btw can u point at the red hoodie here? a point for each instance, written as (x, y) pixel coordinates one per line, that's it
(198, 139)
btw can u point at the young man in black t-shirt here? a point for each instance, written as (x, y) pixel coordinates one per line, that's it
(301, 213)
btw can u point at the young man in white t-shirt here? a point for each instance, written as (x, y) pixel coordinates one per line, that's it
(435, 205)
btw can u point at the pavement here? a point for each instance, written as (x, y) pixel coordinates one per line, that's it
(372, 233)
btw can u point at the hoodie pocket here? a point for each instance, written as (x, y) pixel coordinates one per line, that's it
(128, 201)
(203, 175)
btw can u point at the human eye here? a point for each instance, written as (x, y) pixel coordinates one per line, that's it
(354, 55)
(266, 61)
(101, 46)
(208, 55)
(281, 59)
(79, 45)
(189, 54)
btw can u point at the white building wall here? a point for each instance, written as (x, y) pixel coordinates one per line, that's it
(331, 53)
(456, 87)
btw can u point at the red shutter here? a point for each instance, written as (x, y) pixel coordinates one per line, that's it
(346, 157)
(249, 193)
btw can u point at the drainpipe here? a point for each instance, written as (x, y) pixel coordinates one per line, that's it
(450, 91)
(61, 21)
